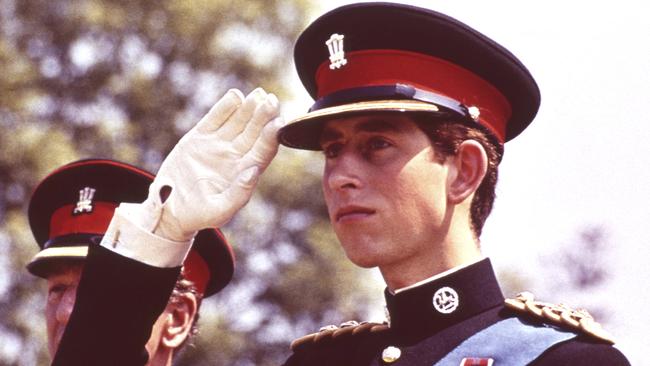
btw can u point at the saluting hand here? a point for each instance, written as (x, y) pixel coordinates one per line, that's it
(210, 174)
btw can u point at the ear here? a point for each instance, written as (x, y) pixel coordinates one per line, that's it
(180, 317)
(469, 166)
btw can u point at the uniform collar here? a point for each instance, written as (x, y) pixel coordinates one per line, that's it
(444, 301)
(434, 277)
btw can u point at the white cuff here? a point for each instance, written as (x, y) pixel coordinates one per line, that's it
(125, 237)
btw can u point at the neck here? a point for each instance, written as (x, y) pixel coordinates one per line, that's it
(407, 275)
(459, 247)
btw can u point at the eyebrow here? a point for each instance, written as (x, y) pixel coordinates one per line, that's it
(370, 125)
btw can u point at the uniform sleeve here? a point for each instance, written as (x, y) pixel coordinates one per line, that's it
(581, 352)
(118, 301)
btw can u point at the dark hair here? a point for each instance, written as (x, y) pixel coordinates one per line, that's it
(446, 136)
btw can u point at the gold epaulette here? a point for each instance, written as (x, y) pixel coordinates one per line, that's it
(344, 331)
(559, 315)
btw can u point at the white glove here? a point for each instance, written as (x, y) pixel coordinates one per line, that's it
(210, 174)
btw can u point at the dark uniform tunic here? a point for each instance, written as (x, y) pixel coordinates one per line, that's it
(425, 335)
(119, 299)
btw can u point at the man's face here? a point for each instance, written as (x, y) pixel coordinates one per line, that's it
(62, 283)
(384, 189)
(61, 292)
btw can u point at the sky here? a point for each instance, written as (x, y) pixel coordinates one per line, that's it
(584, 161)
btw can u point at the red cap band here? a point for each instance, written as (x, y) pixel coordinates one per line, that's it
(64, 222)
(196, 270)
(386, 67)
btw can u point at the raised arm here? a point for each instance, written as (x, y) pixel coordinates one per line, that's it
(209, 175)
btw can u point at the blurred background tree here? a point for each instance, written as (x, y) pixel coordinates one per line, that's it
(124, 80)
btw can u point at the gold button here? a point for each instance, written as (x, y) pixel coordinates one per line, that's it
(391, 354)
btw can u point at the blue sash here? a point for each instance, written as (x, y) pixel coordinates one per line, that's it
(509, 342)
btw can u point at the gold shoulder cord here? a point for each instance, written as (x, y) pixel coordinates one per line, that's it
(332, 332)
(560, 315)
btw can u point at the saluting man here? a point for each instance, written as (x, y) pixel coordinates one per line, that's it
(68, 212)
(412, 112)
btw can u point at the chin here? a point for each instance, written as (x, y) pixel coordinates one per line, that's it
(362, 256)
(362, 250)
(363, 262)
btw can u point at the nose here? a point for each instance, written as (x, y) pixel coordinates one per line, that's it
(66, 305)
(343, 173)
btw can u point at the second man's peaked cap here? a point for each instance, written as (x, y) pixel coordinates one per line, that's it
(72, 207)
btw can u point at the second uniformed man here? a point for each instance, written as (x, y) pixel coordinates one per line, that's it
(69, 212)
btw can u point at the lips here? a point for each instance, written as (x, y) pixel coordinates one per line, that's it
(351, 212)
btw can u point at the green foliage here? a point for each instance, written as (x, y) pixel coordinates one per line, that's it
(124, 80)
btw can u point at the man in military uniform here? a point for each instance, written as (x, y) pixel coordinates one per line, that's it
(412, 111)
(70, 211)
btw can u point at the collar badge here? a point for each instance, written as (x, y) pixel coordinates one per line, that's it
(337, 54)
(445, 300)
(85, 203)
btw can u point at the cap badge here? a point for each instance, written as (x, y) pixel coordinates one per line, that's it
(445, 300)
(337, 54)
(85, 203)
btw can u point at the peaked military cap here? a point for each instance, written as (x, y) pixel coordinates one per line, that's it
(385, 57)
(72, 207)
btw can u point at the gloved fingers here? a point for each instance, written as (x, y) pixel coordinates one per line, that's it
(238, 121)
(221, 111)
(265, 147)
(264, 114)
